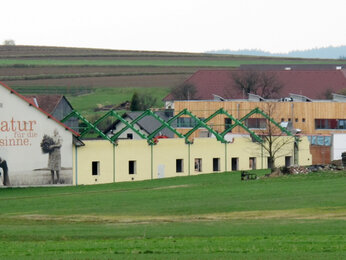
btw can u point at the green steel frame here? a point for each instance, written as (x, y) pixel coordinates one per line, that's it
(89, 127)
(199, 123)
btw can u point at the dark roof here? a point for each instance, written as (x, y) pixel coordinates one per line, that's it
(31, 103)
(47, 102)
(147, 124)
(310, 83)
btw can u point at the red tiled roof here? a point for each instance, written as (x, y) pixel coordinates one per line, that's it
(310, 83)
(47, 102)
(32, 103)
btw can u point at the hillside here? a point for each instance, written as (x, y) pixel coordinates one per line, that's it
(25, 66)
(212, 216)
(77, 71)
(337, 53)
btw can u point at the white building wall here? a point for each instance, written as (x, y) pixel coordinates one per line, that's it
(22, 128)
(121, 125)
(338, 146)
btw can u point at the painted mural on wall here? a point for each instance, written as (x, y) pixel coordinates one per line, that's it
(34, 149)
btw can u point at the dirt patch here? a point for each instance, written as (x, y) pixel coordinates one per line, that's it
(308, 213)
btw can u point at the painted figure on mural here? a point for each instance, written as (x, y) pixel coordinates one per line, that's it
(3, 165)
(52, 145)
(54, 159)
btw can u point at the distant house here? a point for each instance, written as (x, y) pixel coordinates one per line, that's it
(147, 125)
(300, 104)
(220, 84)
(56, 105)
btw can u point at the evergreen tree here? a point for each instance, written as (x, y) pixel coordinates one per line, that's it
(135, 102)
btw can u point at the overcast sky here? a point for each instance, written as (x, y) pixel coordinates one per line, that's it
(179, 25)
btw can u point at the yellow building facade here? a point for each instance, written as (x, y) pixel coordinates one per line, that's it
(100, 161)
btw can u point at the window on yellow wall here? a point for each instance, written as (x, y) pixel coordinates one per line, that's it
(216, 164)
(252, 163)
(95, 168)
(179, 163)
(198, 164)
(132, 167)
(235, 162)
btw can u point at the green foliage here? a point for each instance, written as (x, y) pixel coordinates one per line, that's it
(135, 106)
(146, 101)
(142, 102)
(293, 217)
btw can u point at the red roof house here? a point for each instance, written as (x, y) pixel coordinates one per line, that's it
(310, 83)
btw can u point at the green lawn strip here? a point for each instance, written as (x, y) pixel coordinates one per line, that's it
(69, 233)
(256, 238)
(157, 63)
(204, 194)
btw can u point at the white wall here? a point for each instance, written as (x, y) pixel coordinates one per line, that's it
(338, 146)
(121, 125)
(22, 128)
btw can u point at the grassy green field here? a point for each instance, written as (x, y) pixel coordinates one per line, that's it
(154, 63)
(214, 216)
(108, 96)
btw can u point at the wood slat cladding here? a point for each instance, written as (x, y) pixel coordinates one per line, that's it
(301, 114)
(320, 154)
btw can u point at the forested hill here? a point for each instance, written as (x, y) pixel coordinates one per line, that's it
(319, 53)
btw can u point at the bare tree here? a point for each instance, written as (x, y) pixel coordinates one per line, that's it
(275, 143)
(246, 81)
(269, 86)
(185, 91)
(264, 83)
(327, 94)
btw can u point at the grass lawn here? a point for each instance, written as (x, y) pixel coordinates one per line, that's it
(86, 104)
(159, 63)
(213, 216)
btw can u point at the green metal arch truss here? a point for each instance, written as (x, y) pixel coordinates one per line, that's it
(150, 138)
